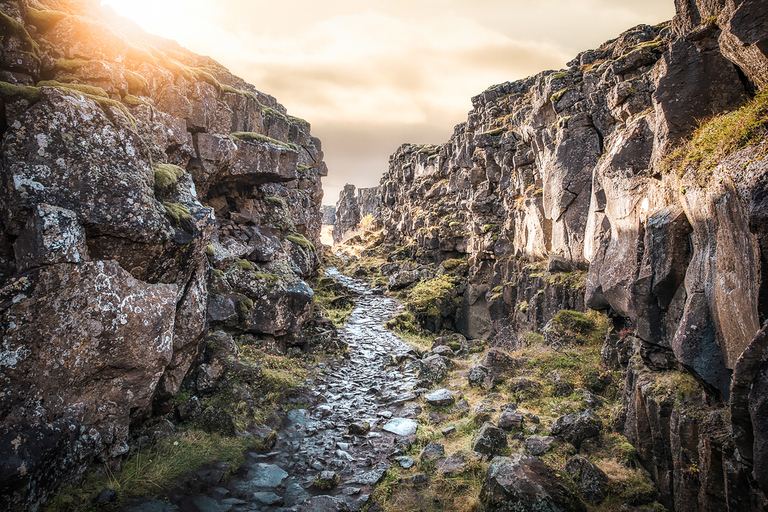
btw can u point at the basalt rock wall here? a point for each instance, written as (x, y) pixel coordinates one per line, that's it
(567, 172)
(146, 194)
(352, 207)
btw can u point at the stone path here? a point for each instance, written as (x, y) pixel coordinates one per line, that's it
(318, 442)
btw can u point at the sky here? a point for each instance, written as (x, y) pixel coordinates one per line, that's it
(370, 75)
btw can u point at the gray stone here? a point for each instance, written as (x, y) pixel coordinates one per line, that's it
(401, 426)
(432, 451)
(266, 475)
(405, 462)
(370, 478)
(489, 440)
(539, 445)
(575, 428)
(440, 397)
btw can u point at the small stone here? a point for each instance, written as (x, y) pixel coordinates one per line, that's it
(510, 420)
(539, 445)
(575, 428)
(489, 440)
(449, 431)
(405, 462)
(483, 412)
(326, 481)
(432, 451)
(440, 398)
(267, 498)
(417, 479)
(359, 429)
(401, 426)
(107, 495)
(462, 406)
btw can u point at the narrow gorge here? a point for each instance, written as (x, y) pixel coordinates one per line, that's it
(581, 269)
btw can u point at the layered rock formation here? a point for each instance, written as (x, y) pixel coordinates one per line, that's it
(146, 193)
(352, 207)
(568, 172)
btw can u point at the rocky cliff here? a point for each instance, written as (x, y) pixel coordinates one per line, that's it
(583, 173)
(147, 194)
(352, 207)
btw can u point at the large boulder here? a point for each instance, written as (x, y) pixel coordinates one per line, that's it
(520, 484)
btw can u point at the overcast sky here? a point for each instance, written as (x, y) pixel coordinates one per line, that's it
(372, 74)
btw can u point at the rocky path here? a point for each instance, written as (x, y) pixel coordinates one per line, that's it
(330, 440)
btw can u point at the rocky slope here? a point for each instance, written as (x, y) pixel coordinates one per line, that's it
(147, 194)
(573, 173)
(352, 207)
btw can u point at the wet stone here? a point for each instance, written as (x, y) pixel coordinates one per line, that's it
(432, 451)
(440, 397)
(539, 445)
(405, 462)
(370, 478)
(359, 429)
(401, 426)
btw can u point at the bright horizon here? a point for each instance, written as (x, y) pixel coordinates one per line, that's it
(370, 76)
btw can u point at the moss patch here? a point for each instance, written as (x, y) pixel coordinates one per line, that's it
(301, 241)
(258, 137)
(176, 212)
(44, 20)
(11, 92)
(721, 136)
(166, 176)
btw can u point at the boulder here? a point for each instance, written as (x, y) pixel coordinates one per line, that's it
(575, 428)
(521, 483)
(591, 481)
(440, 398)
(489, 440)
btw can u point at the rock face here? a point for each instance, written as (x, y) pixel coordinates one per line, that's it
(559, 192)
(351, 208)
(146, 194)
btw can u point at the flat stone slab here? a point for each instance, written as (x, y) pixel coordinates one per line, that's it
(266, 475)
(370, 478)
(401, 426)
(405, 462)
(440, 397)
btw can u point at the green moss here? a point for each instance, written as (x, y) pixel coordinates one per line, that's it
(11, 26)
(137, 54)
(166, 176)
(332, 299)
(559, 94)
(210, 251)
(137, 84)
(155, 467)
(133, 101)
(244, 265)
(270, 279)
(258, 137)
(85, 89)
(721, 136)
(244, 307)
(276, 201)
(579, 327)
(177, 212)
(495, 132)
(453, 224)
(558, 75)
(69, 65)
(44, 20)
(245, 94)
(429, 294)
(301, 241)
(11, 92)
(325, 485)
(490, 227)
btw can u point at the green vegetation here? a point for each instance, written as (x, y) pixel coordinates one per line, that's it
(257, 137)
(137, 84)
(276, 201)
(245, 94)
(156, 467)
(44, 20)
(12, 27)
(301, 241)
(89, 90)
(721, 136)
(332, 299)
(133, 101)
(270, 279)
(495, 132)
(69, 65)
(11, 92)
(430, 294)
(177, 212)
(243, 308)
(244, 265)
(559, 94)
(407, 327)
(559, 75)
(580, 328)
(166, 176)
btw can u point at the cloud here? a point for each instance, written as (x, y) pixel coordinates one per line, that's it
(371, 75)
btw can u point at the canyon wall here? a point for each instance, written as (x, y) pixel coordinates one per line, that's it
(352, 206)
(571, 173)
(147, 194)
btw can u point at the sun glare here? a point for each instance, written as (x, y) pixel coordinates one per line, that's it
(173, 19)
